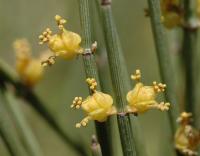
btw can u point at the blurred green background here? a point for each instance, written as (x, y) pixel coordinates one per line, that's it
(64, 80)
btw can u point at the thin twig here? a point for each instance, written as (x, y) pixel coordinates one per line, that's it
(166, 70)
(121, 83)
(7, 132)
(28, 138)
(91, 71)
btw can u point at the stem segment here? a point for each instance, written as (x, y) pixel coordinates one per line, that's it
(189, 57)
(166, 69)
(91, 71)
(22, 126)
(120, 81)
(7, 132)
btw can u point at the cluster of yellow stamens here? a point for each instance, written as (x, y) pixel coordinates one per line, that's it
(159, 87)
(77, 102)
(60, 22)
(92, 83)
(137, 75)
(45, 36)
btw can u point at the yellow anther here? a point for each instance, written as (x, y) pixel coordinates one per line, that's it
(142, 98)
(159, 87)
(92, 83)
(137, 75)
(77, 102)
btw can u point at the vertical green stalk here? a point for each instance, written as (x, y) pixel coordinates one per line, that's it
(22, 126)
(7, 132)
(91, 71)
(120, 82)
(7, 75)
(95, 147)
(164, 60)
(189, 57)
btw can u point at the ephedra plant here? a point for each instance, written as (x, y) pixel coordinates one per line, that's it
(127, 102)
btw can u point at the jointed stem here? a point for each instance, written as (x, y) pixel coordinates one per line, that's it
(166, 70)
(22, 126)
(7, 132)
(120, 82)
(91, 71)
(190, 59)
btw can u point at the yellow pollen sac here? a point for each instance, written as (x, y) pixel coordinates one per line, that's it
(172, 13)
(28, 68)
(65, 43)
(97, 106)
(142, 98)
(187, 138)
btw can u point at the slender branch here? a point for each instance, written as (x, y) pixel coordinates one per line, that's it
(166, 70)
(189, 56)
(8, 75)
(140, 146)
(91, 71)
(121, 84)
(22, 126)
(7, 132)
(164, 60)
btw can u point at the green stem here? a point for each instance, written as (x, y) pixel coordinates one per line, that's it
(190, 60)
(7, 132)
(8, 75)
(102, 129)
(121, 84)
(166, 70)
(165, 65)
(95, 147)
(21, 124)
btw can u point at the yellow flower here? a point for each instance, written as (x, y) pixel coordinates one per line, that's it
(142, 98)
(172, 14)
(97, 106)
(187, 138)
(65, 44)
(29, 69)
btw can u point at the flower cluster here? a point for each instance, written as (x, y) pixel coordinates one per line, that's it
(28, 68)
(65, 43)
(142, 98)
(98, 106)
(187, 138)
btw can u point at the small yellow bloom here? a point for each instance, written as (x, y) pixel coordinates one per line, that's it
(29, 69)
(97, 106)
(142, 98)
(65, 44)
(187, 138)
(172, 14)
